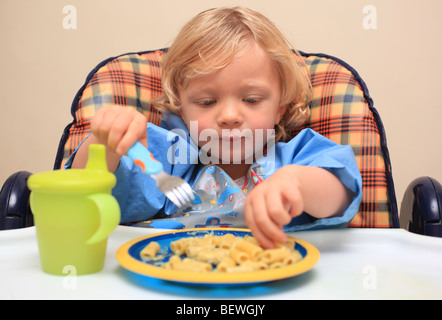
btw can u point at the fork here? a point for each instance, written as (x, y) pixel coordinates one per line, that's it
(176, 189)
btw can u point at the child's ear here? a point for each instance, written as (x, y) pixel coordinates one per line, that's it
(280, 113)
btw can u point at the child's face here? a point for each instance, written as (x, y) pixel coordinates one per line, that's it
(240, 103)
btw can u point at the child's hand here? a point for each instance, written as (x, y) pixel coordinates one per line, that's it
(119, 127)
(271, 205)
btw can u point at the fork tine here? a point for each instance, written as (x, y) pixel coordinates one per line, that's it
(186, 195)
(181, 195)
(188, 190)
(171, 196)
(176, 189)
(177, 195)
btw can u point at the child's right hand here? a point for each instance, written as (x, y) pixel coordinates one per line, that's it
(119, 128)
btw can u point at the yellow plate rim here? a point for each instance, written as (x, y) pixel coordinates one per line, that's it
(134, 265)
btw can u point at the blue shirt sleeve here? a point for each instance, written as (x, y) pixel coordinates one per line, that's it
(312, 149)
(140, 199)
(136, 193)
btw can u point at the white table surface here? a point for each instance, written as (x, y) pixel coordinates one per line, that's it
(354, 264)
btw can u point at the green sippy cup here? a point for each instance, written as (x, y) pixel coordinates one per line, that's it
(74, 213)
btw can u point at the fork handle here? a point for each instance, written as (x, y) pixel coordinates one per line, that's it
(143, 158)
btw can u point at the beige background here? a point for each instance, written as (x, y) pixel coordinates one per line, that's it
(43, 65)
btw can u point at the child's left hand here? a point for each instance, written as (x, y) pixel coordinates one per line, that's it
(289, 192)
(271, 205)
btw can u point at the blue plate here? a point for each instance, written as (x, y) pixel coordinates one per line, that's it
(128, 255)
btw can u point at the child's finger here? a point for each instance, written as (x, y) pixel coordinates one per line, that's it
(277, 209)
(102, 122)
(264, 221)
(262, 239)
(118, 130)
(136, 131)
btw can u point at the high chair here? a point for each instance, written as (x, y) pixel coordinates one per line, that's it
(341, 110)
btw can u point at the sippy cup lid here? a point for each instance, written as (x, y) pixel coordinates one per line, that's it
(95, 177)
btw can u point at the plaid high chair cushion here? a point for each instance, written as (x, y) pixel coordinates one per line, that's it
(341, 110)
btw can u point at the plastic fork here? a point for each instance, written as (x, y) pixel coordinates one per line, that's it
(176, 189)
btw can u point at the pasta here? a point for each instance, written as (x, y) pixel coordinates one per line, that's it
(150, 250)
(225, 254)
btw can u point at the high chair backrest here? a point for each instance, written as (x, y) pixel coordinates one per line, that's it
(341, 110)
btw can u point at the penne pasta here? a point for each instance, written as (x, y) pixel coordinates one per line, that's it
(225, 254)
(227, 241)
(174, 260)
(275, 255)
(193, 250)
(150, 251)
(249, 247)
(275, 265)
(294, 257)
(191, 265)
(213, 256)
(225, 264)
(179, 246)
(239, 256)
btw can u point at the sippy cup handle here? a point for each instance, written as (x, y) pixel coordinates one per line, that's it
(109, 211)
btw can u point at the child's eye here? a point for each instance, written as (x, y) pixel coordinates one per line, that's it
(206, 102)
(252, 100)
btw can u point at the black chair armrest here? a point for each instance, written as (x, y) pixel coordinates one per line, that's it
(14, 202)
(421, 207)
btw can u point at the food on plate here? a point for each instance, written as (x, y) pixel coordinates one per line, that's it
(226, 253)
(150, 250)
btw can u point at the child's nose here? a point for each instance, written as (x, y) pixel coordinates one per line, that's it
(230, 115)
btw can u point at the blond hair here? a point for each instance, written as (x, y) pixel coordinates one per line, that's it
(211, 40)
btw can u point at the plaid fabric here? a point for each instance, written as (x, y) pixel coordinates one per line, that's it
(341, 110)
(129, 80)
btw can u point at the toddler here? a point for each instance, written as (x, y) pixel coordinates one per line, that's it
(233, 90)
